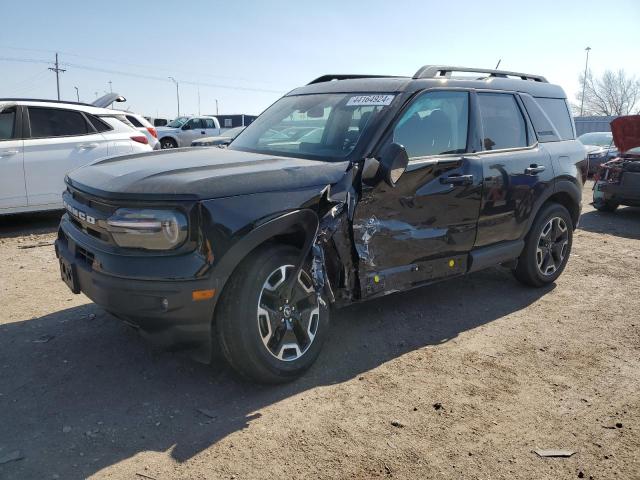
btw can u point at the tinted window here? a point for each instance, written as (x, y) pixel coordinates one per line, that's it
(502, 121)
(545, 131)
(53, 122)
(195, 123)
(557, 111)
(7, 123)
(134, 121)
(436, 123)
(99, 125)
(209, 123)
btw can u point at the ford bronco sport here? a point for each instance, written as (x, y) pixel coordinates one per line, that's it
(396, 183)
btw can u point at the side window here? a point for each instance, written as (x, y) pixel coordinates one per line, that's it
(7, 123)
(502, 121)
(435, 124)
(195, 123)
(209, 123)
(557, 111)
(134, 121)
(54, 122)
(98, 124)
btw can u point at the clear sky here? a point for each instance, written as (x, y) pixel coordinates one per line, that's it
(247, 54)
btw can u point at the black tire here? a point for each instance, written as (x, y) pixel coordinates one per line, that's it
(168, 143)
(603, 205)
(239, 327)
(540, 252)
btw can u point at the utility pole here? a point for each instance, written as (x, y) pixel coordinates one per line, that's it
(584, 80)
(199, 100)
(177, 93)
(57, 69)
(110, 86)
(216, 106)
(77, 94)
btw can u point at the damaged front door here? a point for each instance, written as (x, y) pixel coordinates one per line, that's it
(422, 229)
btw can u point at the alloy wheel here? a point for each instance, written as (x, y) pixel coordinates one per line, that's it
(553, 244)
(288, 324)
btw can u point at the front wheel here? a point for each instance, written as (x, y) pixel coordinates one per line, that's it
(266, 332)
(547, 247)
(168, 143)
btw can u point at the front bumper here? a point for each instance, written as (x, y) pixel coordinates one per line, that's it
(162, 309)
(627, 192)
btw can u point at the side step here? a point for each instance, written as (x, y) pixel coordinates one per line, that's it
(493, 255)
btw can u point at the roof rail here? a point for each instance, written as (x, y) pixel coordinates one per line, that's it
(434, 71)
(44, 100)
(330, 77)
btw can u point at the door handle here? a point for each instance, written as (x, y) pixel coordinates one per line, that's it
(533, 169)
(88, 146)
(8, 153)
(202, 132)
(457, 180)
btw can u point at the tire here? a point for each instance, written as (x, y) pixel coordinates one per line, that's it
(168, 142)
(262, 346)
(547, 247)
(603, 205)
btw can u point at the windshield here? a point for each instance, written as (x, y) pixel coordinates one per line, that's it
(321, 126)
(601, 139)
(178, 122)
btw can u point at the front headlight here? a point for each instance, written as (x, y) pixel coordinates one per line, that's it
(598, 155)
(148, 229)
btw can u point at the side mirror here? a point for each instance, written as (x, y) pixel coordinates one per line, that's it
(186, 126)
(393, 162)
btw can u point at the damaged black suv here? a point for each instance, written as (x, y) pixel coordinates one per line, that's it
(349, 188)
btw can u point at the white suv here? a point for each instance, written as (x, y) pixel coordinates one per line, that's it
(41, 140)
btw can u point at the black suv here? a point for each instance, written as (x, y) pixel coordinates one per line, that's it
(349, 188)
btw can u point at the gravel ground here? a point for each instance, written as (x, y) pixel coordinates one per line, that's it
(463, 379)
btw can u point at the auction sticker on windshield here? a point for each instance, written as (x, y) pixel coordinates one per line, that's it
(370, 100)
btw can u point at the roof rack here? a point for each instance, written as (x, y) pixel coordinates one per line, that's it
(44, 100)
(330, 77)
(435, 71)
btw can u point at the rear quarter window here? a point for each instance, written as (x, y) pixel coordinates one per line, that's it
(557, 111)
(134, 121)
(99, 125)
(545, 130)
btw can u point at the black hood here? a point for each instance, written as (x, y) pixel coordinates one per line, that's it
(201, 173)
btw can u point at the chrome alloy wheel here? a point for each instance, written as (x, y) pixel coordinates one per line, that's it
(552, 246)
(287, 326)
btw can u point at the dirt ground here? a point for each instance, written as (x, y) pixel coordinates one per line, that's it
(474, 373)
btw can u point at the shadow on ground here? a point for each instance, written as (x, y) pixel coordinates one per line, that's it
(624, 222)
(18, 225)
(80, 391)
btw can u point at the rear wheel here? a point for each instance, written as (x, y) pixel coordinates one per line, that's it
(547, 247)
(168, 143)
(265, 333)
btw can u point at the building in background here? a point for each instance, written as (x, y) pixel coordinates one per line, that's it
(237, 120)
(593, 124)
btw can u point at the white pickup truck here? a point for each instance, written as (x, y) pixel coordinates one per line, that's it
(184, 130)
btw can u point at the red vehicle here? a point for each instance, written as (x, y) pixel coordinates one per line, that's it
(618, 181)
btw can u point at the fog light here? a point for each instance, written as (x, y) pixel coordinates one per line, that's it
(165, 304)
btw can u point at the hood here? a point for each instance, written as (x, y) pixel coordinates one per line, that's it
(106, 100)
(626, 132)
(166, 129)
(201, 173)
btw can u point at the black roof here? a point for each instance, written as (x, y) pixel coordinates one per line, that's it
(431, 76)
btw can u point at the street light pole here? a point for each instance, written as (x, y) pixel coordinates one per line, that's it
(216, 106)
(77, 94)
(177, 93)
(584, 80)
